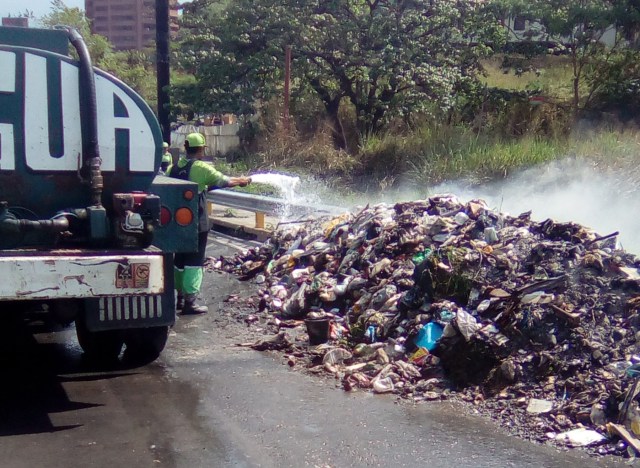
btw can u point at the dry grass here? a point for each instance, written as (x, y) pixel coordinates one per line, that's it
(315, 155)
(553, 76)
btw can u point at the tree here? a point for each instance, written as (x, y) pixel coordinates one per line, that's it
(136, 68)
(388, 58)
(616, 84)
(579, 26)
(233, 70)
(61, 15)
(186, 97)
(133, 67)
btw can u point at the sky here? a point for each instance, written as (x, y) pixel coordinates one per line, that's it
(39, 7)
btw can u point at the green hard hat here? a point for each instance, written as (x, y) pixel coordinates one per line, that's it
(195, 140)
(165, 144)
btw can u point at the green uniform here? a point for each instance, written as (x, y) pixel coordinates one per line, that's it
(167, 160)
(205, 175)
(188, 267)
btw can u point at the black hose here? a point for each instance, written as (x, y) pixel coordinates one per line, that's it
(88, 118)
(16, 226)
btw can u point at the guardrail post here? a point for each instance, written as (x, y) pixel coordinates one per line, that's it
(259, 220)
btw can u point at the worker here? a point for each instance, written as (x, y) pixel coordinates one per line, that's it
(188, 267)
(167, 159)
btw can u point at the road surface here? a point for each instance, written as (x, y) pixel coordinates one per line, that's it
(209, 403)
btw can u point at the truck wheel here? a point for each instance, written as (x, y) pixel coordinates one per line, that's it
(144, 345)
(98, 345)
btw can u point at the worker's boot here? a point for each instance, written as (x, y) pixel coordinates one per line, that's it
(180, 302)
(191, 307)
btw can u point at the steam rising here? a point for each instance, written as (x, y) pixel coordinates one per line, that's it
(605, 200)
(585, 191)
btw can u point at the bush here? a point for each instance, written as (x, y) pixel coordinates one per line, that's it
(618, 84)
(508, 113)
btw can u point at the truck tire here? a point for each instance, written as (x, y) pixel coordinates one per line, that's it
(102, 346)
(144, 345)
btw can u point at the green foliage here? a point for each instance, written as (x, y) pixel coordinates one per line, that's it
(135, 68)
(616, 83)
(548, 75)
(434, 152)
(578, 29)
(388, 59)
(232, 68)
(382, 160)
(444, 153)
(61, 15)
(437, 153)
(186, 97)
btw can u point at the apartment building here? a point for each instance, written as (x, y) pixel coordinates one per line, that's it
(128, 24)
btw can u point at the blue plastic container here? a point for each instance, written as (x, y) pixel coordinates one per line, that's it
(428, 336)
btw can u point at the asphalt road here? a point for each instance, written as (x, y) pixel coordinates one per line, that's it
(209, 403)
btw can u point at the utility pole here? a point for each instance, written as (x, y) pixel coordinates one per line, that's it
(162, 66)
(287, 80)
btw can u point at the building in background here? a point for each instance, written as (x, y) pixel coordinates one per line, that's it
(128, 24)
(17, 21)
(521, 29)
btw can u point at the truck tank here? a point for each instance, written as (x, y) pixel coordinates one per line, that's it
(43, 128)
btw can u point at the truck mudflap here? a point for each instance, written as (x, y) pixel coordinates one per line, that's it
(42, 277)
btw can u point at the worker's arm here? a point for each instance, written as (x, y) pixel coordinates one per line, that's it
(239, 181)
(208, 177)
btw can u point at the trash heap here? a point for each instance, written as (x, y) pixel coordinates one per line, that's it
(535, 323)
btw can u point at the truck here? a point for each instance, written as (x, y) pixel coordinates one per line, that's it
(88, 228)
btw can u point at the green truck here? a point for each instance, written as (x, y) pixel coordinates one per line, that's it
(87, 228)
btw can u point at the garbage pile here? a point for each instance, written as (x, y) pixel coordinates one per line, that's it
(535, 323)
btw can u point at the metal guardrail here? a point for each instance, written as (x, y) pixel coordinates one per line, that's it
(262, 205)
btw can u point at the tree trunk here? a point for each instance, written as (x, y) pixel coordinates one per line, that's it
(332, 107)
(576, 96)
(337, 130)
(370, 124)
(576, 83)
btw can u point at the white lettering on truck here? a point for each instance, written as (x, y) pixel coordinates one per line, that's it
(38, 157)
(141, 143)
(36, 117)
(7, 85)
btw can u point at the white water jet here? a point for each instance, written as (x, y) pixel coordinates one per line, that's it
(284, 183)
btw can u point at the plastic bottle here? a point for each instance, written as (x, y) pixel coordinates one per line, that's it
(371, 333)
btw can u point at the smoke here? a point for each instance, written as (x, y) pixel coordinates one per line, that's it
(603, 199)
